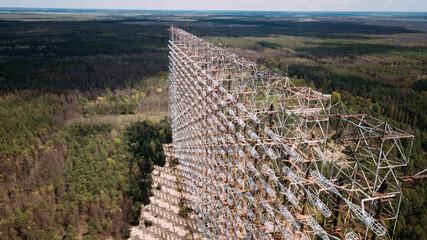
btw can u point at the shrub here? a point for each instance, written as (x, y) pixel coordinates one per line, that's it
(173, 162)
(184, 211)
(148, 223)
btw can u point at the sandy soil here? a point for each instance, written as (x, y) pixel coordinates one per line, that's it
(164, 207)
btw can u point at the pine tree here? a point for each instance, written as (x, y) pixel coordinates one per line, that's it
(414, 121)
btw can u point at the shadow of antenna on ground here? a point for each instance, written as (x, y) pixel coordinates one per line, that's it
(164, 206)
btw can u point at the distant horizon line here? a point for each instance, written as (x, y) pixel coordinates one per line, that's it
(216, 10)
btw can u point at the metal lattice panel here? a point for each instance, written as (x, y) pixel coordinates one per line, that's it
(258, 158)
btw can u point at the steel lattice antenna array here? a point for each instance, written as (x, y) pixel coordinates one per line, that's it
(265, 159)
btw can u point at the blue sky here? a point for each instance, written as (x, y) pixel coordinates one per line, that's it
(262, 5)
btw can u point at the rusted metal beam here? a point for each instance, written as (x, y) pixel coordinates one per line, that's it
(412, 178)
(387, 136)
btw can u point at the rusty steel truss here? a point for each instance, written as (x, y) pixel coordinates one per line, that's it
(265, 159)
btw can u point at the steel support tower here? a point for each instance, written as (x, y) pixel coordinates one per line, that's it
(265, 159)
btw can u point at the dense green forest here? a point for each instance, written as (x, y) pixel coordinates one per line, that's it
(72, 181)
(79, 55)
(76, 90)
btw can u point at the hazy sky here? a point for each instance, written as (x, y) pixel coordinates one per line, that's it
(264, 5)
